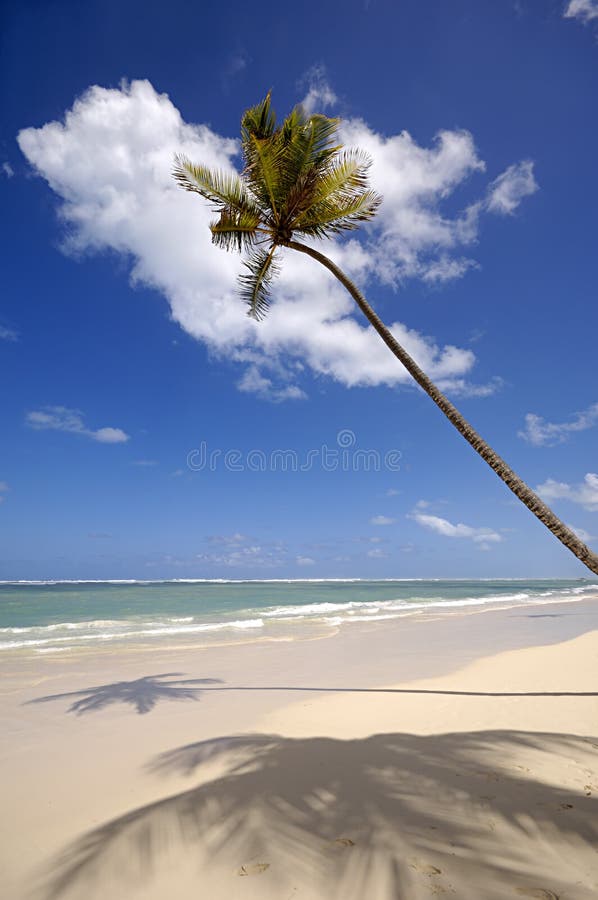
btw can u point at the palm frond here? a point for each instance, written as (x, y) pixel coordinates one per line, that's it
(263, 173)
(259, 121)
(347, 174)
(329, 218)
(235, 229)
(324, 130)
(223, 189)
(255, 285)
(307, 146)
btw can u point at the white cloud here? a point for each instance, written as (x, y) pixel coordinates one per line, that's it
(3, 489)
(109, 162)
(305, 561)
(508, 190)
(253, 382)
(582, 534)
(585, 494)
(377, 553)
(483, 537)
(392, 492)
(145, 463)
(253, 556)
(586, 10)
(60, 418)
(320, 95)
(540, 433)
(235, 64)
(7, 169)
(382, 520)
(228, 539)
(8, 334)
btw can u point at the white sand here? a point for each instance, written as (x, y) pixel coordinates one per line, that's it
(415, 789)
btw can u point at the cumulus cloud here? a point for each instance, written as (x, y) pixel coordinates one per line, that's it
(585, 494)
(320, 96)
(509, 189)
(483, 537)
(585, 10)
(109, 162)
(382, 520)
(541, 433)
(8, 334)
(60, 418)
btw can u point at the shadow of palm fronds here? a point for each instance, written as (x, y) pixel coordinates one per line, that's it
(142, 693)
(414, 816)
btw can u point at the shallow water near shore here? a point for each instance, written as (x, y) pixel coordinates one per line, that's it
(57, 617)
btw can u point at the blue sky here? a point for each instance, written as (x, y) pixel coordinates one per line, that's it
(123, 348)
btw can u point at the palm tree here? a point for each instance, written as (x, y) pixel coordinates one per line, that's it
(298, 181)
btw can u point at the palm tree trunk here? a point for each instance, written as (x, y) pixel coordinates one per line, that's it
(510, 478)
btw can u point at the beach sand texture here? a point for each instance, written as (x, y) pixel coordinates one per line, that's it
(288, 772)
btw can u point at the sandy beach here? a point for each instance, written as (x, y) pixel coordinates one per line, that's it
(446, 755)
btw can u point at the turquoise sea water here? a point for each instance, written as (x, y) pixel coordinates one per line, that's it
(55, 617)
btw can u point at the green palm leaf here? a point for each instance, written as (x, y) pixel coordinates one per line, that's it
(223, 189)
(348, 174)
(255, 284)
(235, 229)
(327, 218)
(258, 121)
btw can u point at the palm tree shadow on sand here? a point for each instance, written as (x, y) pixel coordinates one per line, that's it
(143, 693)
(387, 816)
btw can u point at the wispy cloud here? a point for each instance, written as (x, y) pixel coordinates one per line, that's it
(228, 539)
(145, 463)
(581, 533)
(253, 382)
(61, 418)
(585, 494)
(382, 520)
(541, 433)
(250, 556)
(7, 169)
(483, 537)
(584, 10)
(234, 65)
(3, 489)
(508, 190)
(8, 334)
(377, 553)
(305, 561)
(320, 95)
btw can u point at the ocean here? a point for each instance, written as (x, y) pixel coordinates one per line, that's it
(74, 616)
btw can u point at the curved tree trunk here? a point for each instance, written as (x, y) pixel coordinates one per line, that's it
(519, 488)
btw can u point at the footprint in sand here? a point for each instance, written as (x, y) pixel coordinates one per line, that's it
(425, 868)
(254, 869)
(343, 842)
(538, 893)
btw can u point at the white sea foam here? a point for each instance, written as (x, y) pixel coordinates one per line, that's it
(279, 619)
